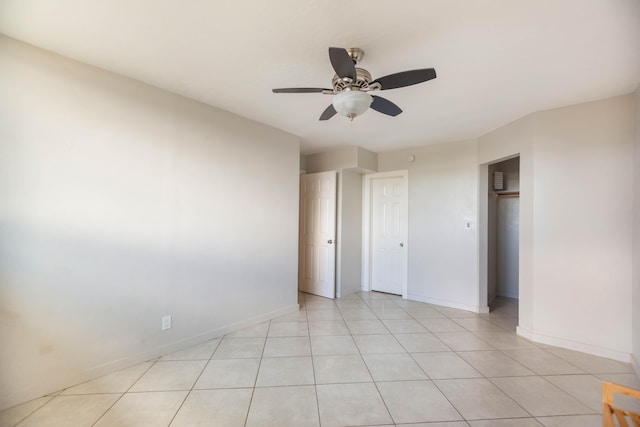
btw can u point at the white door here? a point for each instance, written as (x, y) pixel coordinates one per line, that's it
(388, 235)
(317, 261)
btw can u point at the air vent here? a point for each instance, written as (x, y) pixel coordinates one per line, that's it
(498, 181)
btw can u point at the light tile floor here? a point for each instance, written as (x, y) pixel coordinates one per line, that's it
(364, 360)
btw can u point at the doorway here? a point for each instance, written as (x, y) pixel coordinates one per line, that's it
(385, 243)
(503, 226)
(317, 253)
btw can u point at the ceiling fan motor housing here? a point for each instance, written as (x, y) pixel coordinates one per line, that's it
(362, 82)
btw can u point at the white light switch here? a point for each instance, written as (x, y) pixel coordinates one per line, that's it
(166, 323)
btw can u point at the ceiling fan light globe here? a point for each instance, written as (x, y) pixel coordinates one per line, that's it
(352, 103)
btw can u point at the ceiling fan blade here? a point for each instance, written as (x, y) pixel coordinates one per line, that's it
(406, 78)
(300, 90)
(342, 63)
(384, 106)
(328, 113)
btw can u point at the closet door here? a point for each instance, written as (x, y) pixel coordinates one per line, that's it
(317, 258)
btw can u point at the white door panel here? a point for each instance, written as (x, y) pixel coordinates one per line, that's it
(317, 234)
(388, 234)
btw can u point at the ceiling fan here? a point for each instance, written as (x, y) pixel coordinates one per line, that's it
(352, 84)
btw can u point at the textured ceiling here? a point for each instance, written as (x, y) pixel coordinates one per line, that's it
(497, 60)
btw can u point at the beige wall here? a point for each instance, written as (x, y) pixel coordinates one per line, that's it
(121, 203)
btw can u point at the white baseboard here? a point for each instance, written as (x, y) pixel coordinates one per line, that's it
(576, 346)
(447, 303)
(21, 395)
(115, 365)
(484, 309)
(635, 364)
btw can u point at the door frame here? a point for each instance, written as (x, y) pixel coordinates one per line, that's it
(484, 185)
(367, 201)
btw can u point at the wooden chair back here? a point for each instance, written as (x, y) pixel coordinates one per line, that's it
(608, 410)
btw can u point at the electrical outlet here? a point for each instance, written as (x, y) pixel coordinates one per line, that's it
(166, 323)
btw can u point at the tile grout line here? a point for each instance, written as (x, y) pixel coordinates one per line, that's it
(483, 376)
(255, 381)
(196, 381)
(57, 394)
(313, 370)
(562, 391)
(34, 411)
(374, 380)
(429, 377)
(125, 392)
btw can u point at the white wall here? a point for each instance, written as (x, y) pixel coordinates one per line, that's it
(350, 237)
(576, 193)
(507, 247)
(443, 258)
(503, 230)
(352, 158)
(335, 160)
(575, 217)
(583, 161)
(492, 237)
(636, 240)
(121, 203)
(367, 160)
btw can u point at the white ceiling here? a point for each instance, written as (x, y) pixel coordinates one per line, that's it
(497, 60)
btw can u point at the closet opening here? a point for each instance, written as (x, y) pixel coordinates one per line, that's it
(503, 229)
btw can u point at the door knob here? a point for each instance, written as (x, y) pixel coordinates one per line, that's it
(329, 241)
(402, 245)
